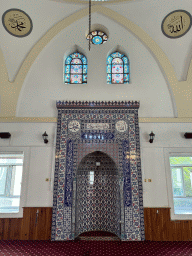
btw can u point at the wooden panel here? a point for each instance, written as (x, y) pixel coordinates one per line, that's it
(30, 227)
(158, 226)
(25, 224)
(15, 229)
(156, 223)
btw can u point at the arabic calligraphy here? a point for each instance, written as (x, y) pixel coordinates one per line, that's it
(17, 22)
(176, 24)
(97, 126)
(74, 126)
(121, 126)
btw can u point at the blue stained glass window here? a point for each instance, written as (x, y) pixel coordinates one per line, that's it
(109, 78)
(109, 59)
(117, 68)
(84, 79)
(67, 79)
(84, 60)
(85, 69)
(126, 77)
(108, 68)
(75, 69)
(68, 60)
(67, 69)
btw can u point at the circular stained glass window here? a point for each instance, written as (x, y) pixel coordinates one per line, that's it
(97, 37)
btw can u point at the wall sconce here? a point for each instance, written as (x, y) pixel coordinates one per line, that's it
(5, 135)
(188, 135)
(152, 136)
(45, 136)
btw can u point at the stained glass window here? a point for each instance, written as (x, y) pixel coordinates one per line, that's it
(75, 69)
(117, 69)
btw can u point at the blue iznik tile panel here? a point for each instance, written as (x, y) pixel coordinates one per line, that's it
(69, 174)
(108, 197)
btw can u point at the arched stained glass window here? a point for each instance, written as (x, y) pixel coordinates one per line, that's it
(76, 69)
(117, 69)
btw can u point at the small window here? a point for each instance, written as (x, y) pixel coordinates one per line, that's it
(11, 169)
(181, 174)
(75, 69)
(117, 69)
(91, 181)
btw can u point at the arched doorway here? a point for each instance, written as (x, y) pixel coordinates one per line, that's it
(97, 206)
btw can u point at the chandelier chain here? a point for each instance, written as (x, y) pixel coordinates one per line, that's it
(89, 25)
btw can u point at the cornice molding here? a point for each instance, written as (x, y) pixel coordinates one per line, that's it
(97, 104)
(93, 2)
(54, 120)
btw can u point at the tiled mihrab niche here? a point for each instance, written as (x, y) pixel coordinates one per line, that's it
(98, 184)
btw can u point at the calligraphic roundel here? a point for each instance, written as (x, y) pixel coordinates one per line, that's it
(17, 23)
(176, 24)
(121, 126)
(74, 126)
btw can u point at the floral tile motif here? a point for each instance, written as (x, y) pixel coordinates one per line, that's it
(111, 128)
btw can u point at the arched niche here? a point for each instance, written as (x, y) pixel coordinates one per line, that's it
(97, 199)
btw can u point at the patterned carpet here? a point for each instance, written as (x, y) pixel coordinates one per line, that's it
(95, 248)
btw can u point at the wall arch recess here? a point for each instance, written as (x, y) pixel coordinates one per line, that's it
(142, 35)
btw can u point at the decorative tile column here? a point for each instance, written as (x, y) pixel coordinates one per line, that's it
(110, 127)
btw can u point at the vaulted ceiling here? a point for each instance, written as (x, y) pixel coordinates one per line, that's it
(141, 18)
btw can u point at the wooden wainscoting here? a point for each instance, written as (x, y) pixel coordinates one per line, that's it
(30, 227)
(158, 226)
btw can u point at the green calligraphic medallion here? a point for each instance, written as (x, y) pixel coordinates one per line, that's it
(17, 23)
(176, 24)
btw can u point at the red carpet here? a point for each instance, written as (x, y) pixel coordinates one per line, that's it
(95, 248)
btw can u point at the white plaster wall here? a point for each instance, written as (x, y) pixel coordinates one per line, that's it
(155, 192)
(44, 82)
(40, 158)
(39, 192)
(167, 135)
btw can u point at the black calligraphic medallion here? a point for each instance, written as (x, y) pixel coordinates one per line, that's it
(17, 23)
(176, 24)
